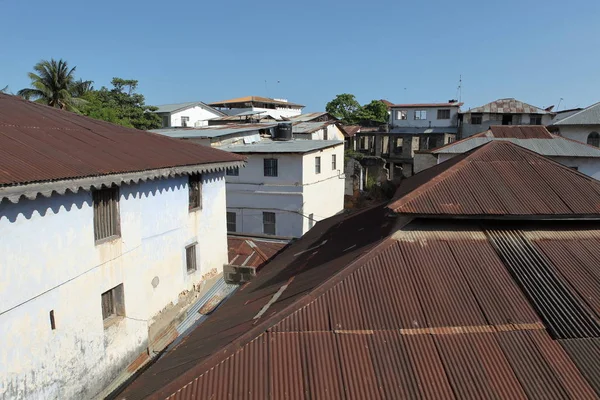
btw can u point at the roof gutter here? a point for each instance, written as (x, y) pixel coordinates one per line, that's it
(32, 190)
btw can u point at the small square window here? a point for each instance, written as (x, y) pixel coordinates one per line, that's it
(270, 167)
(269, 223)
(106, 213)
(113, 303)
(195, 191)
(333, 162)
(420, 114)
(476, 119)
(317, 165)
(190, 258)
(400, 115)
(535, 119)
(233, 171)
(231, 221)
(443, 114)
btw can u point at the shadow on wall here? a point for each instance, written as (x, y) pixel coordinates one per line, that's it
(57, 202)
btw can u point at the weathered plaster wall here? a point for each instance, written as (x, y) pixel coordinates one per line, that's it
(49, 261)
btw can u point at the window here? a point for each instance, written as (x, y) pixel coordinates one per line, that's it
(106, 213)
(270, 166)
(593, 139)
(185, 121)
(476, 119)
(113, 304)
(450, 139)
(420, 114)
(233, 171)
(535, 119)
(443, 114)
(190, 258)
(195, 191)
(317, 165)
(269, 223)
(231, 221)
(311, 220)
(165, 121)
(401, 115)
(363, 143)
(333, 162)
(52, 320)
(325, 133)
(398, 146)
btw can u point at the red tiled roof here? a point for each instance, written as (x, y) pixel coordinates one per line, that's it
(40, 143)
(252, 251)
(499, 178)
(426, 105)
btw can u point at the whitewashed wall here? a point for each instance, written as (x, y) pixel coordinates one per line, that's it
(198, 116)
(578, 132)
(49, 261)
(293, 195)
(431, 119)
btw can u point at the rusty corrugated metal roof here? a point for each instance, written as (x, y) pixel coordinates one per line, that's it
(40, 143)
(253, 99)
(417, 105)
(499, 178)
(508, 106)
(252, 251)
(520, 132)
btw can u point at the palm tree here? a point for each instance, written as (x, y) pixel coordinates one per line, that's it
(53, 83)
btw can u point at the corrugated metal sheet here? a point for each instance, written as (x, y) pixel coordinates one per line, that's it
(585, 353)
(285, 146)
(587, 116)
(253, 99)
(310, 127)
(499, 179)
(508, 106)
(252, 251)
(169, 108)
(40, 143)
(520, 132)
(213, 131)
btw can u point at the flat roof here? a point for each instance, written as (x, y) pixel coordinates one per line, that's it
(211, 131)
(282, 146)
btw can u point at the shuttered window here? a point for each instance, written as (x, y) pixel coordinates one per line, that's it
(106, 213)
(443, 114)
(190, 258)
(269, 223)
(113, 303)
(231, 221)
(195, 191)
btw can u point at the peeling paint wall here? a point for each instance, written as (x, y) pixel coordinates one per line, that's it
(49, 261)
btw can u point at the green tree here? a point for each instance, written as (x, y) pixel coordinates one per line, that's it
(121, 105)
(375, 111)
(53, 83)
(344, 107)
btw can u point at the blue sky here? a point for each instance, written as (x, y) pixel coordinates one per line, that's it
(184, 50)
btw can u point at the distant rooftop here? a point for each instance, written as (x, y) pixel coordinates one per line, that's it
(309, 117)
(254, 99)
(169, 108)
(211, 131)
(588, 116)
(283, 146)
(508, 106)
(415, 105)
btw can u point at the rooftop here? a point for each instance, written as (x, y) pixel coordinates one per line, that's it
(378, 305)
(170, 108)
(252, 251)
(311, 116)
(40, 144)
(587, 116)
(212, 131)
(310, 127)
(254, 99)
(420, 105)
(508, 106)
(282, 146)
(535, 138)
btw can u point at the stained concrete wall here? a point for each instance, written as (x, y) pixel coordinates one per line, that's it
(49, 261)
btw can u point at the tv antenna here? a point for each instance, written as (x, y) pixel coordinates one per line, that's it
(558, 106)
(459, 88)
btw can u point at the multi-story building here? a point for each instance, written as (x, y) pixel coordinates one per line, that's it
(502, 112)
(277, 108)
(581, 125)
(102, 227)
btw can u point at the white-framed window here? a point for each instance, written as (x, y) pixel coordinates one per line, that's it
(269, 223)
(231, 221)
(401, 114)
(420, 114)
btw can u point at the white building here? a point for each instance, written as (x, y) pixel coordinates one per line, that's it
(582, 125)
(286, 186)
(502, 112)
(417, 118)
(187, 114)
(575, 155)
(277, 108)
(101, 230)
(327, 130)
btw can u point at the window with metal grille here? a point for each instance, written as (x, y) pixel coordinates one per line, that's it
(270, 167)
(185, 121)
(443, 114)
(106, 213)
(231, 221)
(317, 165)
(333, 162)
(476, 119)
(594, 139)
(535, 119)
(269, 223)
(233, 171)
(190, 258)
(195, 191)
(113, 303)
(420, 114)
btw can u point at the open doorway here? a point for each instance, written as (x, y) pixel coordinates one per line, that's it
(506, 119)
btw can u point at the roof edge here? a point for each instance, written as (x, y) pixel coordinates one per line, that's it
(31, 190)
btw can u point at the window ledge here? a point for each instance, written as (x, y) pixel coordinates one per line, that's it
(192, 210)
(113, 320)
(107, 239)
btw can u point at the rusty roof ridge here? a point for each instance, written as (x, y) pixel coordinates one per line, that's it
(31, 190)
(225, 352)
